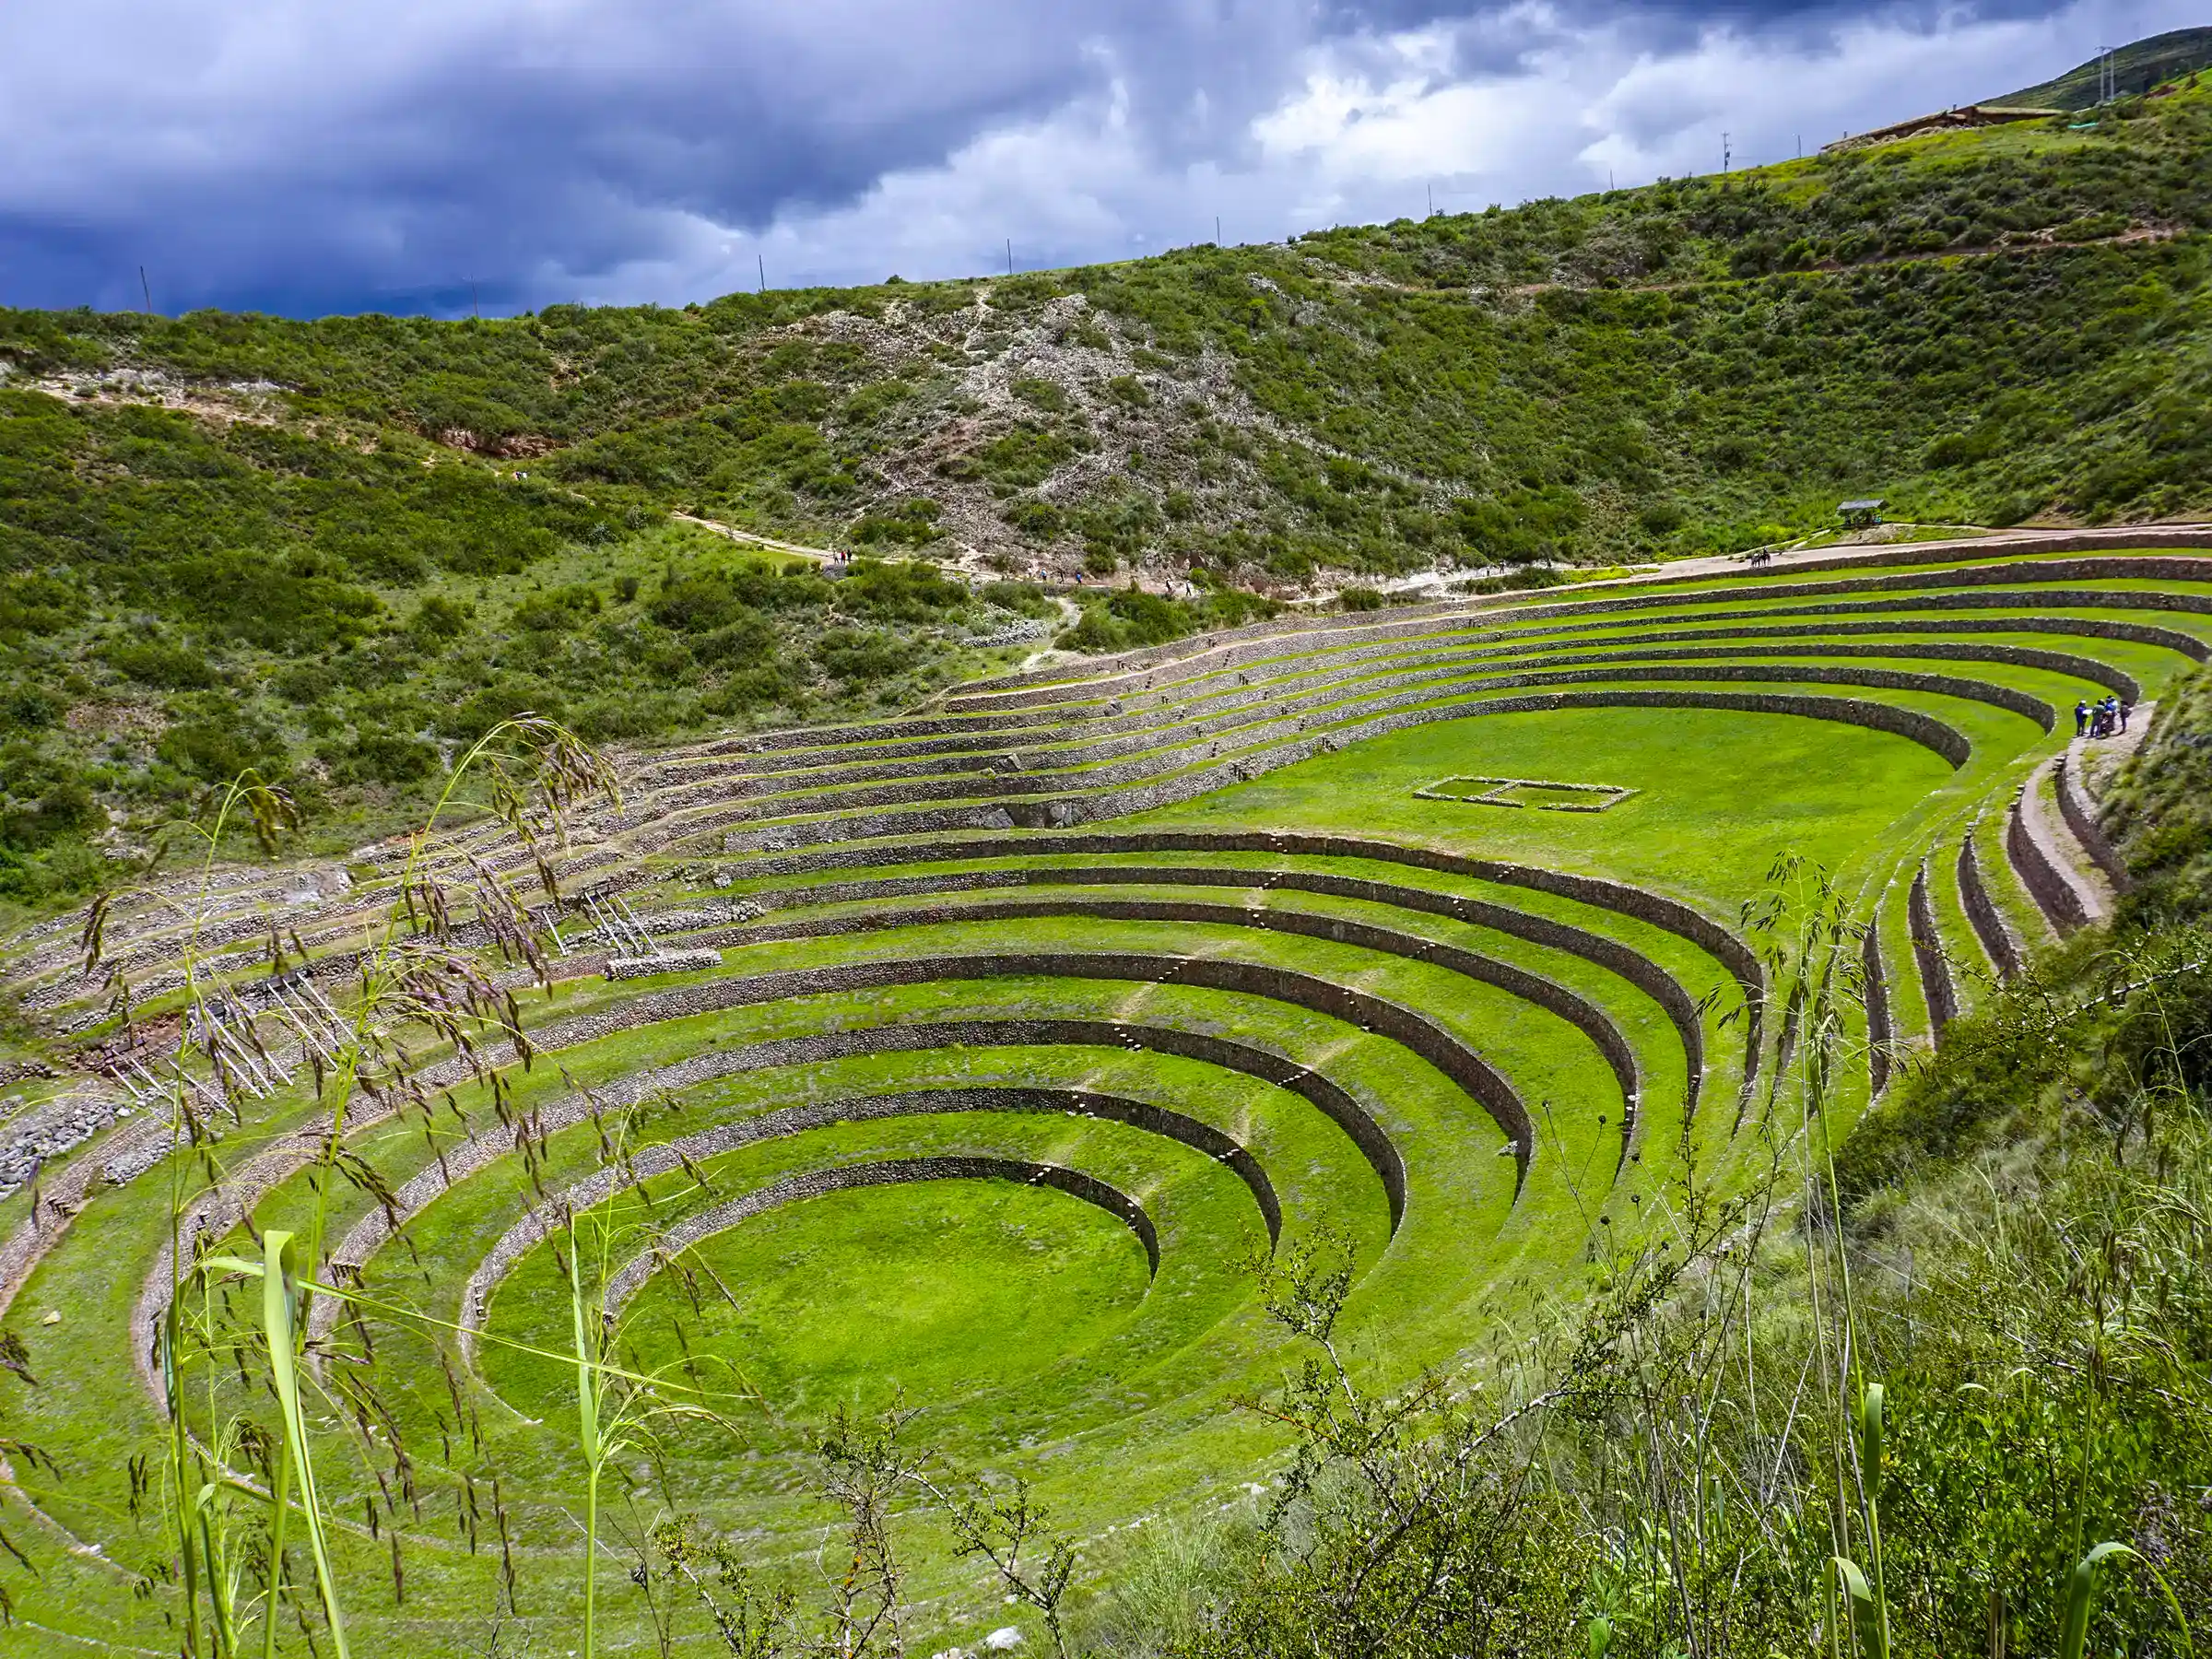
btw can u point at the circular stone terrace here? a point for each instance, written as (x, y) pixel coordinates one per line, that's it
(973, 1056)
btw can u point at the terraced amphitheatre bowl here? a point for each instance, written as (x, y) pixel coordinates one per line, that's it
(972, 1058)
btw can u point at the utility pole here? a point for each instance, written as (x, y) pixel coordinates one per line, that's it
(762, 260)
(475, 309)
(146, 290)
(1217, 229)
(1432, 201)
(1009, 256)
(1724, 153)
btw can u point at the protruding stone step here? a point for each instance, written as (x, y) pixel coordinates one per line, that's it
(2060, 877)
(660, 961)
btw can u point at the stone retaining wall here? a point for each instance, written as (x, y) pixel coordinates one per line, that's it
(1934, 584)
(1936, 985)
(1981, 912)
(632, 1276)
(1945, 740)
(660, 834)
(1455, 639)
(2080, 814)
(1880, 1032)
(216, 1213)
(1577, 1010)
(2053, 895)
(1219, 652)
(368, 1235)
(660, 961)
(1350, 719)
(1637, 969)
(1670, 915)
(1254, 722)
(2072, 541)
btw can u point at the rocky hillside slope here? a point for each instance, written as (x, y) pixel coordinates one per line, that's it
(331, 548)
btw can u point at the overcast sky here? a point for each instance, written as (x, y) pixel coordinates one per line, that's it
(308, 157)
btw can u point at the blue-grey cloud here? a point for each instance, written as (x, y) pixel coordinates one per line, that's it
(430, 154)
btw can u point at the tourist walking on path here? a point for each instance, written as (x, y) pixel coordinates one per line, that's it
(2081, 718)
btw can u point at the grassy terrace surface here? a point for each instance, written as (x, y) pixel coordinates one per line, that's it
(1186, 948)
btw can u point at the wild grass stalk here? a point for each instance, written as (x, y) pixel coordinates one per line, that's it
(414, 979)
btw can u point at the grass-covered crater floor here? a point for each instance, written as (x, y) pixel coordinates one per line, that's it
(976, 1061)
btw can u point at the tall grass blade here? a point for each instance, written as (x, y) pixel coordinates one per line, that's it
(2081, 1599)
(1867, 1623)
(279, 1305)
(587, 1436)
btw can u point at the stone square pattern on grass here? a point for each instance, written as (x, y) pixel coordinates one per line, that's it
(1545, 794)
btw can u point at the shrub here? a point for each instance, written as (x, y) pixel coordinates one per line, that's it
(1048, 395)
(503, 699)
(698, 604)
(438, 618)
(1023, 598)
(218, 742)
(913, 522)
(557, 611)
(1521, 524)
(158, 663)
(375, 756)
(748, 641)
(898, 593)
(1040, 520)
(25, 708)
(848, 654)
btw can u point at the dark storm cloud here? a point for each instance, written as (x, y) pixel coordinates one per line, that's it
(291, 156)
(534, 138)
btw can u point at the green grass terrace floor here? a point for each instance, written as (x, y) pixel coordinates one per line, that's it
(1012, 1033)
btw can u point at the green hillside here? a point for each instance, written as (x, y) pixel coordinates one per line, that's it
(1024, 1056)
(327, 547)
(2135, 70)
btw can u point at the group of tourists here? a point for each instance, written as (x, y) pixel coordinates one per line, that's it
(2101, 720)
